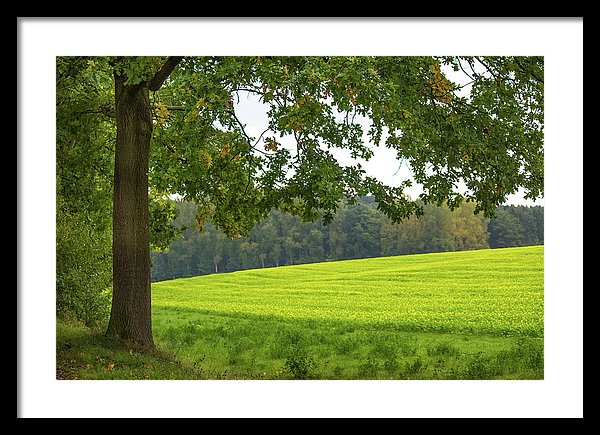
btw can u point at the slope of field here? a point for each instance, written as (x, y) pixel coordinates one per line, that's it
(497, 292)
(460, 315)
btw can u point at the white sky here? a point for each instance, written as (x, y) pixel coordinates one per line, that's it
(560, 394)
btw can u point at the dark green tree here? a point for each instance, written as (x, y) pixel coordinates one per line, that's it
(538, 218)
(505, 230)
(517, 226)
(249, 255)
(361, 224)
(314, 246)
(336, 236)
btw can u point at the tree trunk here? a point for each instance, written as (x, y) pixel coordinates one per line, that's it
(131, 316)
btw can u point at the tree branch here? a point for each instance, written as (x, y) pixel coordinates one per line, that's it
(243, 130)
(488, 68)
(463, 70)
(249, 90)
(182, 108)
(172, 150)
(161, 75)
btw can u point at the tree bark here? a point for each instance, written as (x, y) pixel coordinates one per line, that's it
(131, 311)
(131, 316)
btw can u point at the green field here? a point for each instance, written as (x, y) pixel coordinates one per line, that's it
(459, 315)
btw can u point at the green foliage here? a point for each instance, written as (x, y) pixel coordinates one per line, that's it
(137, 69)
(345, 345)
(162, 213)
(84, 138)
(368, 369)
(443, 349)
(83, 265)
(299, 363)
(413, 368)
(83, 190)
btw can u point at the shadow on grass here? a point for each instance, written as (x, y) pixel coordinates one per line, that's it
(85, 353)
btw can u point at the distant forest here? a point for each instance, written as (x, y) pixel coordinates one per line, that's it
(358, 231)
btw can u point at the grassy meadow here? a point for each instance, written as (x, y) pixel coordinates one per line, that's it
(460, 315)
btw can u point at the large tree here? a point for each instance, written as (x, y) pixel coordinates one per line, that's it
(178, 131)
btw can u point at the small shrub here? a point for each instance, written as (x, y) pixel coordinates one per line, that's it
(284, 340)
(235, 349)
(299, 363)
(369, 369)
(289, 337)
(188, 334)
(481, 367)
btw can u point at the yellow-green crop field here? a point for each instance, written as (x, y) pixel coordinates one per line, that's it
(498, 291)
(459, 315)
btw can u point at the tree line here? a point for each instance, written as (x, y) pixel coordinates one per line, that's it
(357, 231)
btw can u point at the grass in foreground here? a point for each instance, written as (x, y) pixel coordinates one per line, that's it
(229, 347)
(84, 353)
(226, 348)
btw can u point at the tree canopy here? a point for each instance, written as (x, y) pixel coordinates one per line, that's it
(490, 140)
